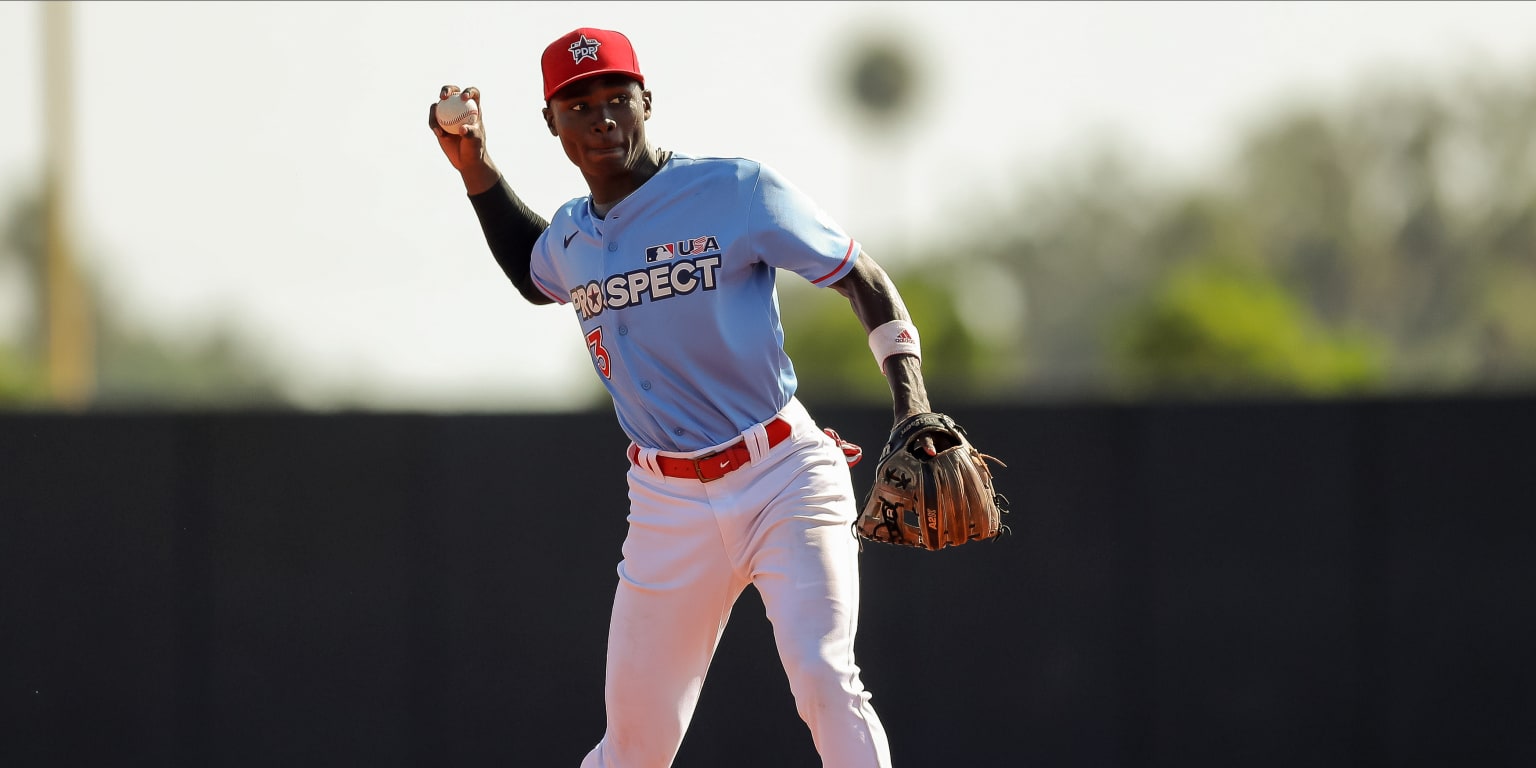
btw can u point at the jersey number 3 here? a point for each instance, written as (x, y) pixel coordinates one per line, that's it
(599, 352)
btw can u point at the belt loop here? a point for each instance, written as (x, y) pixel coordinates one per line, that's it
(756, 438)
(646, 458)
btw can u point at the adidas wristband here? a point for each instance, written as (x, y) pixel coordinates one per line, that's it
(898, 337)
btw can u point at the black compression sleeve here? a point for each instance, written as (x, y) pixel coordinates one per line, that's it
(511, 230)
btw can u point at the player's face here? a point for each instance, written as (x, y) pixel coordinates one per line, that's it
(601, 124)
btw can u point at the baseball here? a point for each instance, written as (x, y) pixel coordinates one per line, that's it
(454, 113)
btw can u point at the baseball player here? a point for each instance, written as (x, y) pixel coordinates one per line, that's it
(669, 266)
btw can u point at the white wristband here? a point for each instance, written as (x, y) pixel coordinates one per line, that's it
(898, 337)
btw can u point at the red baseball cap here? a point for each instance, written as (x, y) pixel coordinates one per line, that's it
(585, 52)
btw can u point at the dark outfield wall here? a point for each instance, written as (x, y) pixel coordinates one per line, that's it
(1346, 584)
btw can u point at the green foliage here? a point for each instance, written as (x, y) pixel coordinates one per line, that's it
(1216, 330)
(21, 381)
(144, 371)
(1383, 243)
(1410, 211)
(830, 349)
(133, 368)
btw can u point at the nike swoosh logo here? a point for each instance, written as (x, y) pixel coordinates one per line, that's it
(725, 464)
(569, 238)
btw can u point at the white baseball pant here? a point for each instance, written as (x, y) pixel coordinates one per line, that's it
(782, 524)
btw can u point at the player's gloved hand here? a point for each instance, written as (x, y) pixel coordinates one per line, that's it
(931, 501)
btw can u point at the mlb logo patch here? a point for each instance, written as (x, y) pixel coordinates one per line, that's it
(657, 253)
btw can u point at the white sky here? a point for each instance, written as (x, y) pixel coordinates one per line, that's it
(267, 164)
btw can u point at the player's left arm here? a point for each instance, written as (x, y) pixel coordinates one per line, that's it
(876, 302)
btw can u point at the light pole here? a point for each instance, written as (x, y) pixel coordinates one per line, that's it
(69, 343)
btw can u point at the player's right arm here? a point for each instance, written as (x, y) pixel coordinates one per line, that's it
(510, 227)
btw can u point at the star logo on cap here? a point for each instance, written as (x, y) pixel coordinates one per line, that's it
(584, 49)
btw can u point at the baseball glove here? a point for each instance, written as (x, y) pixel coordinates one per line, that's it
(932, 502)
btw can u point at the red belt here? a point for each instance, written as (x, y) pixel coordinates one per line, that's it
(714, 466)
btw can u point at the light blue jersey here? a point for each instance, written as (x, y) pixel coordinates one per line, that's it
(675, 293)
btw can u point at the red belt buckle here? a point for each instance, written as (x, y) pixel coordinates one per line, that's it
(726, 468)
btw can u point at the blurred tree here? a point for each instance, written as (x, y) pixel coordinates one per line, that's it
(1410, 211)
(1218, 322)
(21, 380)
(135, 369)
(1018, 312)
(822, 328)
(1386, 243)
(1213, 329)
(21, 257)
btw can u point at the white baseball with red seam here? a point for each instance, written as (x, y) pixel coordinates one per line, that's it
(455, 113)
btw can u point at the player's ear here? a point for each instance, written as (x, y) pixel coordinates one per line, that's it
(549, 121)
(645, 98)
